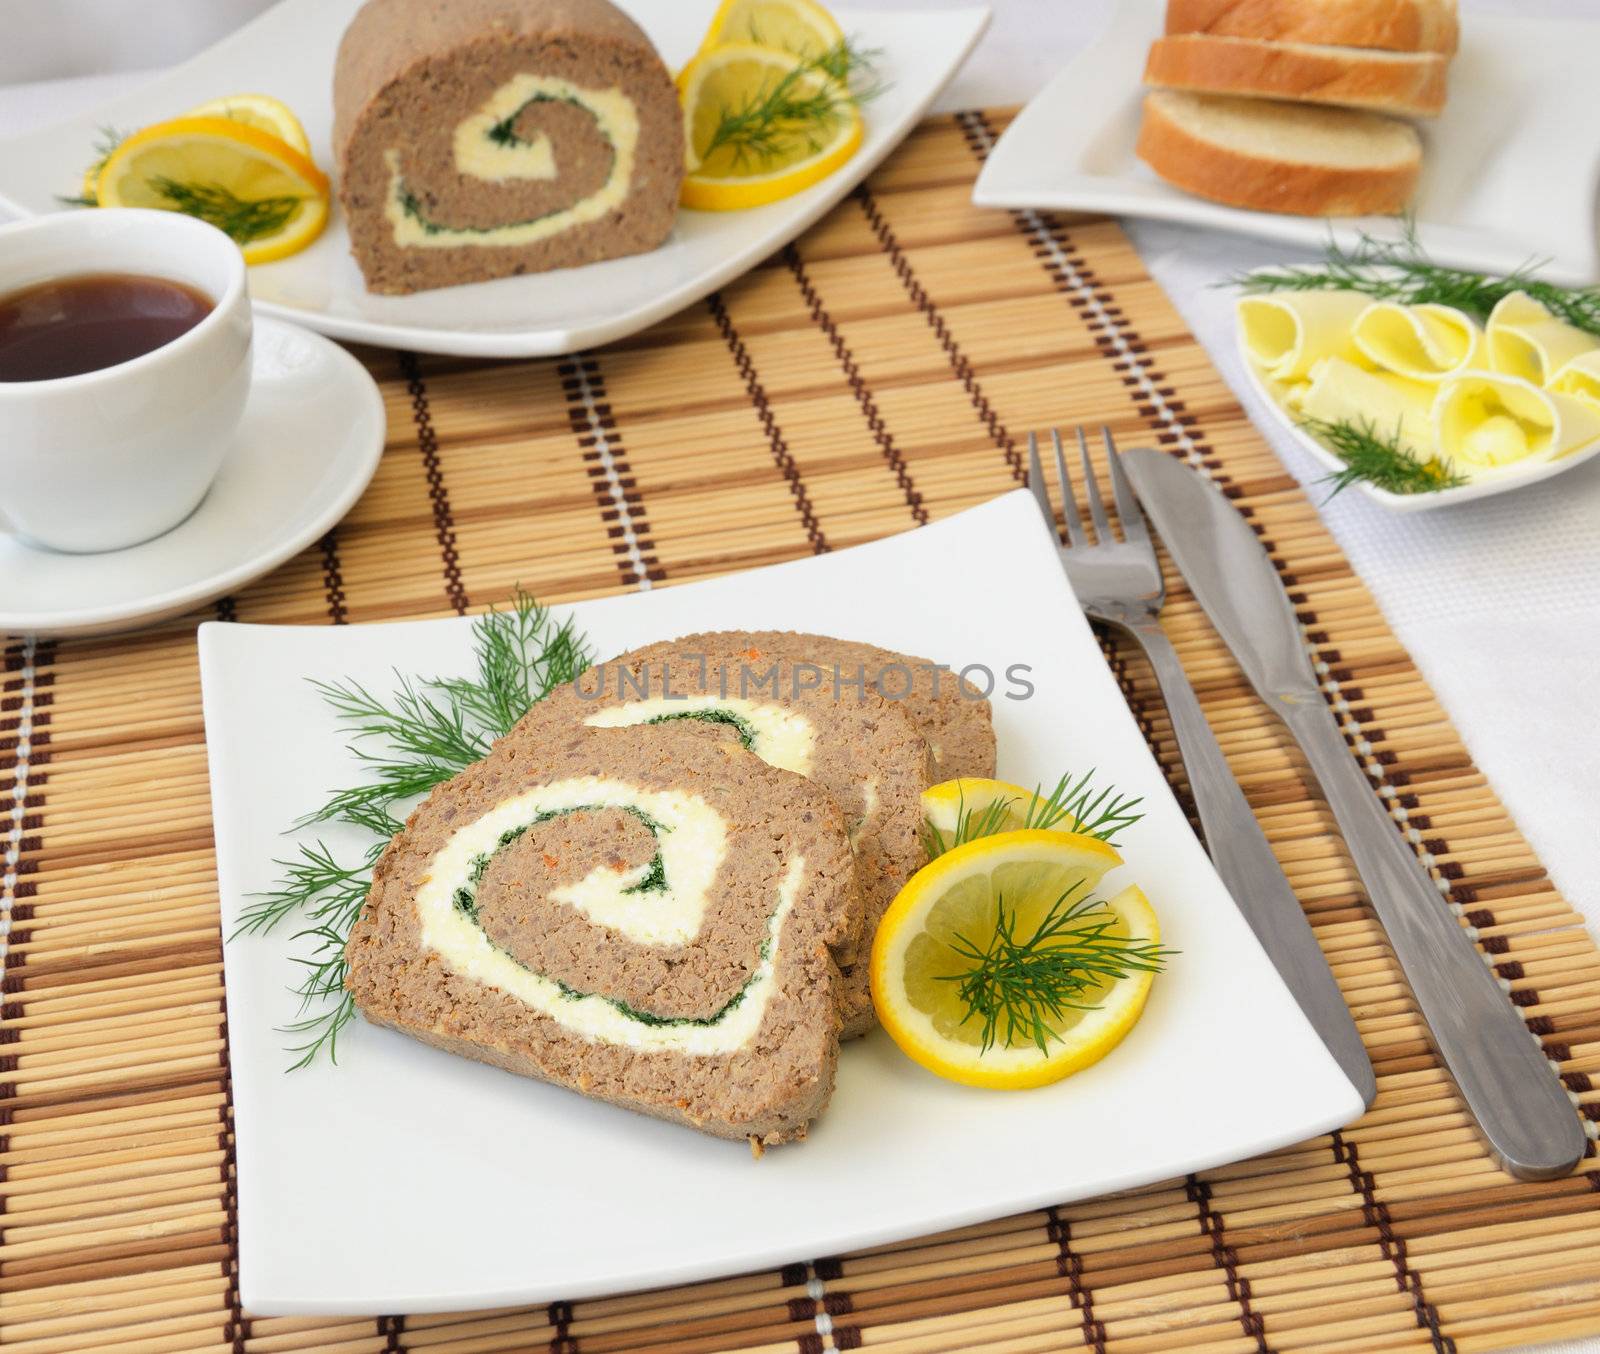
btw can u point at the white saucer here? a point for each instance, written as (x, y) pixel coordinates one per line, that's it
(308, 444)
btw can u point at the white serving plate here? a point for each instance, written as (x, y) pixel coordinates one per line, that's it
(408, 1180)
(289, 52)
(1509, 173)
(306, 448)
(1486, 486)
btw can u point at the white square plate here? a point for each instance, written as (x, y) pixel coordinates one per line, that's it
(1509, 168)
(408, 1180)
(289, 52)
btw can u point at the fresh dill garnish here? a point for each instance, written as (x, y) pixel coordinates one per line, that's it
(330, 895)
(240, 219)
(420, 735)
(1400, 270)
(523, 655)
(105, 145)
(424, 741)
(315, 884)
(1073, 806)
(1019, 989)
(1379, 458)
(799, 111)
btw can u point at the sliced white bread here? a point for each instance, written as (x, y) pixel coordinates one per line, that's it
(1280, 157)
(1407, 83)
(1394, 25)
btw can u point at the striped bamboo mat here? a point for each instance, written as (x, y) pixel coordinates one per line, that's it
(879, 374)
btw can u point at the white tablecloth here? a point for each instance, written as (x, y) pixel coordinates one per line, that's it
(1498, 602)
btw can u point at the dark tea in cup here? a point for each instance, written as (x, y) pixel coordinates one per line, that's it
(80, 323)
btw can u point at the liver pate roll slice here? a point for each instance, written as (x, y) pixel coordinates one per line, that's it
(642, 915)
(865, 751)
(481, 138)
(953, 714)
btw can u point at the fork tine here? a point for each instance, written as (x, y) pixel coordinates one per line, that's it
(1091, 490)
(1133, 527)
(1076, 535)
(1037, 487)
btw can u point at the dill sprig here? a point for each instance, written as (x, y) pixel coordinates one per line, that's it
(422, 733)
(801, 109)
(1073, 806)
(240, 219)
(429, 730)
(523, 655)
(424, 742)
(324, 982)
(331, 895)
(1020, 988)
(1379, 458)
(106, 142)
(314, 883)
(1400, 270)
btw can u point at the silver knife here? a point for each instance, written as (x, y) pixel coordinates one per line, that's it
(1520, 1105)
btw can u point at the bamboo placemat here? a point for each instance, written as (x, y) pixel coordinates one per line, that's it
(879, 374)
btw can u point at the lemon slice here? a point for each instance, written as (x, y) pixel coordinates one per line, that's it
(969, 903)
(261, 111)
(734, 79)
(263, 192)
(797, 26)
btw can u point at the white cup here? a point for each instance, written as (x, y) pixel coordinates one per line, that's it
(112, 457)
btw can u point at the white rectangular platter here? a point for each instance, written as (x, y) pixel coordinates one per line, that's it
(289, 52)
(407, 1180)
(1509, 170)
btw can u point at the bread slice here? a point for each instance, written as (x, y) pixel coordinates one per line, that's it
(864, 750)
(1280, 157)
(1394, 25)
(644, 915)
(1407, 83)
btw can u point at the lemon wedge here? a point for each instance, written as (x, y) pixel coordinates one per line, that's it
(976, 938)
(741, 152)
(259, 189)
(261, 111)
(797, 26)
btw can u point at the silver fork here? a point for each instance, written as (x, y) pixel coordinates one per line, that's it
(1119, 582)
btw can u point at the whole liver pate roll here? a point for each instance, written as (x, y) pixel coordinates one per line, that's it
(482, 138)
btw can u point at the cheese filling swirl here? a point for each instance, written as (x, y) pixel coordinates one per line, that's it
(691, 840)
(485, 147)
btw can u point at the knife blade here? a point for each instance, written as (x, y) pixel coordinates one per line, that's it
(1519, 1104)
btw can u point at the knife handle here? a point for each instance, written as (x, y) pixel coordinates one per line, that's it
(1244, 860)
(1521, 1107)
